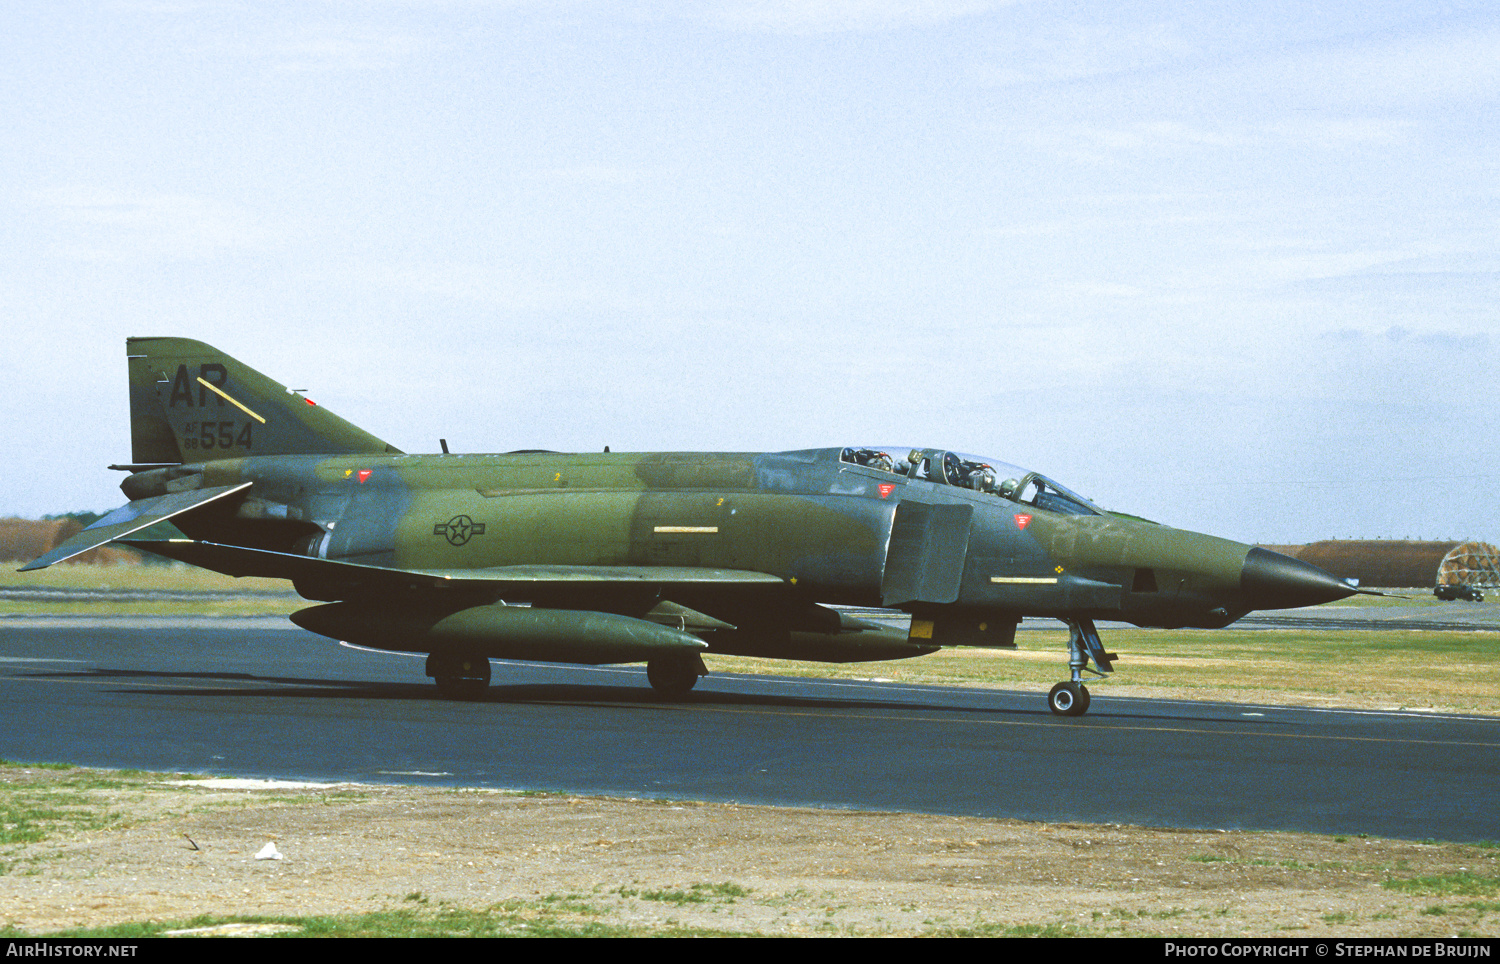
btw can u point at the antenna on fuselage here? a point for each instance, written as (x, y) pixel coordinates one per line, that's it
(444, 443)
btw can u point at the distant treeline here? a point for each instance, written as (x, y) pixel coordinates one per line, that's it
(1402, 563)
(84, 519)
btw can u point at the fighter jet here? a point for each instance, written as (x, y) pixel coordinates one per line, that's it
(658, 558)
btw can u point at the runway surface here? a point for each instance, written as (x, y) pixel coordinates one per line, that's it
(258, 697)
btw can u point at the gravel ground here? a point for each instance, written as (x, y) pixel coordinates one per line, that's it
(719, 867)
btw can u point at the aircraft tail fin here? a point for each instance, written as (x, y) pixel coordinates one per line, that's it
(190, 402)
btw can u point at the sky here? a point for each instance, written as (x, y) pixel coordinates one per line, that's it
(1233, 267)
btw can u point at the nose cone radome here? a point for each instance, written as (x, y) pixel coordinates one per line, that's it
(1273, 581)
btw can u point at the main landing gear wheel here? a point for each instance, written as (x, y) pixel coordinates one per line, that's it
(459, 677)
(1069, 699)
(674, 677)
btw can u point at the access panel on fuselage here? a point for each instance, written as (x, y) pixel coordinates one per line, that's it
(925, 561)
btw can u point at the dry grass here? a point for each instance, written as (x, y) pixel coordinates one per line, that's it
(165, 578)
(1372, 669)
(129, 852)
(220, 595)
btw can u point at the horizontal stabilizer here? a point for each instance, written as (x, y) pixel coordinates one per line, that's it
(132, 517)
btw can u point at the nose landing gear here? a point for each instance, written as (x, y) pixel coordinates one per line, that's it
(1072, 697)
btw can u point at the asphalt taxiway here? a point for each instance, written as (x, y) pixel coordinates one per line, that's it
(259, 697)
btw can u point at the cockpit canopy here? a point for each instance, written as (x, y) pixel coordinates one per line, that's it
(978, 473)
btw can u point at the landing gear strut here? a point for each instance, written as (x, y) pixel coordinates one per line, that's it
(672, 677)
(1072, 697)
(459, 677)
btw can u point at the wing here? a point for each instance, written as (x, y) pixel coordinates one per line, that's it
(513, 580)
(666, 595)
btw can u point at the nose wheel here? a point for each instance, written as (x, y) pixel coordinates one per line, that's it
(1069, 699)
(1072, 697)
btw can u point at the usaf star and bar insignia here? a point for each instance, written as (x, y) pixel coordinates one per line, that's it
(458, 530)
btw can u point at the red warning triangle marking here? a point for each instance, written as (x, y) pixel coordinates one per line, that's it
(886, 489)
(1022, 519)
(363, 474)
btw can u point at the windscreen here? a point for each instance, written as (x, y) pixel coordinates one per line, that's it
(975, 472)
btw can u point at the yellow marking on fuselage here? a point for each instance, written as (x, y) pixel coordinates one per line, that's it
(229, 398)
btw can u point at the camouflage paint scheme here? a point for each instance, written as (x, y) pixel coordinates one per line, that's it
(659, 557)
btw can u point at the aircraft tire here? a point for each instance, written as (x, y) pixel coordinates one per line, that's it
(672, 679)
(1069, 699)
(461, 678)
